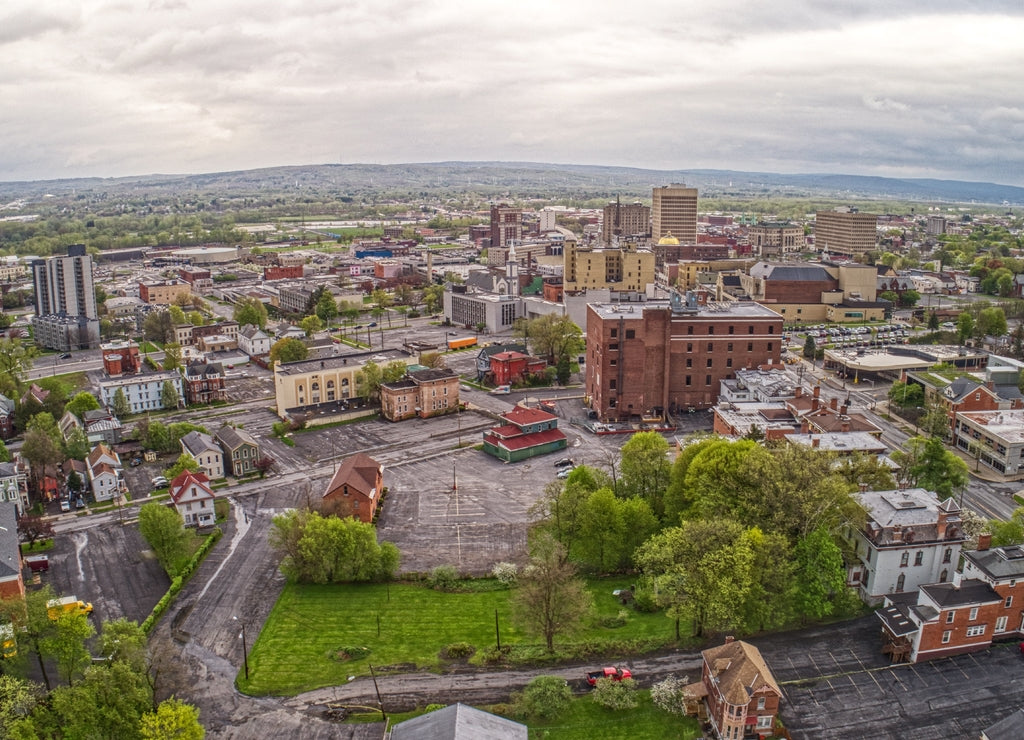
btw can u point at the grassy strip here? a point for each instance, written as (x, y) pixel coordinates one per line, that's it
(319, 635)
(584, 719)
(178, 581)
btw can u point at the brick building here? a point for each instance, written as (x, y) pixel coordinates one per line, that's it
(204, 382)
(163, 293)
(510, 368)
(506, 225)
(618, 220)
(355, 488)
(738, 690)
(120, 358)
(421, 393)
(277, 272)
(650, 358)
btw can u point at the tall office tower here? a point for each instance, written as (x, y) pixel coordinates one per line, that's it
(845, 232)
(506, 225)
(65, 301)
(618, 220)
(674, 208)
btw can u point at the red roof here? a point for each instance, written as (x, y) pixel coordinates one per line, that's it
(180, 484)
(521, 415)
(534, 439)
(506, 431)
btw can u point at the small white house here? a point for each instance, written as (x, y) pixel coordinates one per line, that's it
(193, 499)
(206, 452)
(254, 341)
(105, 473)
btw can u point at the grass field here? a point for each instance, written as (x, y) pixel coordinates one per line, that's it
(319, 635)
(585, 720)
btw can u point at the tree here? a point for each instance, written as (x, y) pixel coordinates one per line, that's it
(368, 380)
(933, 321)
(250, 311)
(81, 403)
(617, 695)
(820, 574)
(909, 298)
(288, 349)
(311, 325)
(32, 528)
(196, 318)
(551, 336)
(265, 465)
(5, 454)
(549, 599)
(172, 720)
(119, 404)
(601, 530)
(17, 699)
(42, 446)
(15, 362)
(906, 395)
(544, 696)
(432, 359)
(158, 327)
(991, 322)
(699, 571)
(31, 618)
(172, 356)
(184, 462)
(107, 703)
(1009, 531)
(164, 530)
(934, 421)
(964, 327)
(177, 315)
(810, 349)
(433, 298)
(76, 446)
(169, 398)
(66, 644)
(645, 469)
(319, 549)
(326, 307)
(938, 469)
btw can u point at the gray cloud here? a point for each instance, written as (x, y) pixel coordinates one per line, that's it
(920, 88)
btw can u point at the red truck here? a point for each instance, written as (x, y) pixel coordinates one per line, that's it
(615, 674)
(37, 563)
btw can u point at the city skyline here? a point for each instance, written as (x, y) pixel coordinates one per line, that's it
(915, 90)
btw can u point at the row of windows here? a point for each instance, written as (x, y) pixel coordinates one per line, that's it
(728, 347)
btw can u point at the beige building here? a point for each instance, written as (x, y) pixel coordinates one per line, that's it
(623, 268)
(845, 232)
(330, 380)
(772, 238)
(422, 393)
(674, 209)
(618, 220)
(163, 293)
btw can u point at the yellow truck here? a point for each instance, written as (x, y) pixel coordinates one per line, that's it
(56, 607)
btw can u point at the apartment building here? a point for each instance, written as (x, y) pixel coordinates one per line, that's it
(674, 211)
(845, 232)
(163, 292)
(65, 317)
(625, 267)
(143, 392)
(506, 225)
(629, 220)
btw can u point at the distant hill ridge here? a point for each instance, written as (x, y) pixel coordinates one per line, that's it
(556, 180)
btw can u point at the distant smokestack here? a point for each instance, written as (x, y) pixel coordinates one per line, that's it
(984, 541)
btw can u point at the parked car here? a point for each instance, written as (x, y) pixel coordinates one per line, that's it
(65, 356)
(159, 482)
(135, 462)
(564, 473)
(564, 462)
(65, 504)
(615, 674)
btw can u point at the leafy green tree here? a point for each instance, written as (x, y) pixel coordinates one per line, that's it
(5, 454)
(964, 327)
(107, 703)
(76, 446)
(1007, 531)
(169, 398)
(288, 349)
(810, 348)
(820, 575)
(769, 604)
(311, 325)
(196, 318)
(551, 337)
(867, 469)
(991, 322)
(177, 315)
(559, 511)
(602, 530)
(81, 403)
(906, 394)
(549, 600)
(700, 571)
(249, 310)
(889, 295)
(172, 719)
(15, 362)
(42, 447)
(939, 470)
(66, 644)
(172, 356)
(645, 469)
(433, 298)
(184, 462)
(158, 326)
(31, 619)
(164, 530)
(368, 380)
(319, 549)
(326, 307)
(155, 435)
(678, 498)
(119, 404)
(933, 321)
(910, 298)
(544, 696)
(18, 698)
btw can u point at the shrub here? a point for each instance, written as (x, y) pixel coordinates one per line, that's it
(544, 696)
(619, 620)
(443, 578)
(433, 708)
(643, 601)
(506, 573)
(668, 695)
(616, 694)
(457, 650)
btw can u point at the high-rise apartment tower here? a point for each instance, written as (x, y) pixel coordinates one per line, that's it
(674, 209)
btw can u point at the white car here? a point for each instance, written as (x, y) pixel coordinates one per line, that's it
(159, 482)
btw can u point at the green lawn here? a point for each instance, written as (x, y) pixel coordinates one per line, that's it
(308, 626)
(585, 720)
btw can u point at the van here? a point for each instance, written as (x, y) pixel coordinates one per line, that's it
(56, 607)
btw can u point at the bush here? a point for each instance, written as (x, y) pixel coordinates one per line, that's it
(619, 620)
(668, 695)
(506, 573)
(643, 601)
(544, 696)
(458, 650)
(443, 578)
(616, 694)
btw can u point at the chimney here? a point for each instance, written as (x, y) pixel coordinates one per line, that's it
(815, 442)
(817, 391)
(845, 426)
(805, 428)
(845, 408)
(798, 392)
(814, 402)
(940, 525)
(729, 638)
(863, 487)
(984, 541)
(833, 403)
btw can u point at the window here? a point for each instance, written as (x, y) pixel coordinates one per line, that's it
(689, 362)
(750, 346)
(611, 384)
(1008, 603)
(728, 362)
(904, 559)
(711, 347)
(770, 346)
(1001, 624)
(765, 721)
(689, 329)
(630, 333)
(919, 558)
(750, 330)
(760, 699)
(900, 581)
(977, 630)
(973, 614)
(689, 346)
(687, 379)
(943, 576)
(950, 617)
(615, 333)
(947, 555)
(707, 380)
(771, 329)
(711, 329)
(710, 362)
(732, 329)
(728, 347)
(946, 635)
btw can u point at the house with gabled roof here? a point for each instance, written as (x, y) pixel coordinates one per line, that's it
(105, 473)
(459, 722)
(6, 417)
(207, 453)
(523, 433)
(193, 498)
(355, 488)
(241, 450)
(738, 690)
(12, 582)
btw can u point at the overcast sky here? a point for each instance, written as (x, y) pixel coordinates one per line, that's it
(130, 87)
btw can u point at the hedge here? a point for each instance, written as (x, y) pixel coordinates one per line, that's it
(179, 580)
